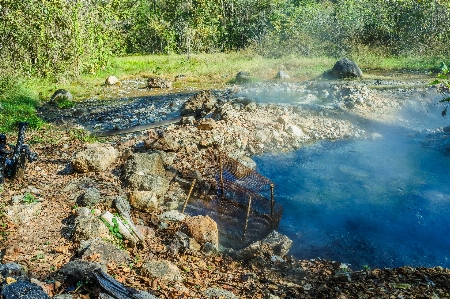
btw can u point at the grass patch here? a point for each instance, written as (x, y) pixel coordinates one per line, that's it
(17, 104)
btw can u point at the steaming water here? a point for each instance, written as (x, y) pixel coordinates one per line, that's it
(382, 202)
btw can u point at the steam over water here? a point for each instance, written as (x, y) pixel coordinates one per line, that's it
(382, 202)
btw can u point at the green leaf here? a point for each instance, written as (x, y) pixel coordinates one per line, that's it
(445, 100)
(441, 76)
(435, 82)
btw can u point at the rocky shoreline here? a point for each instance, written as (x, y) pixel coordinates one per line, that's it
(168, 254)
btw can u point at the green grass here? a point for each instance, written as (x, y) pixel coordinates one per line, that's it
(20, 98)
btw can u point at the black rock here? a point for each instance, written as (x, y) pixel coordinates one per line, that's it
(345, 68)
(23, 289)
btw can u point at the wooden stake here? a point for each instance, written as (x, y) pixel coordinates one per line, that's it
(248, 215)
(189, 195)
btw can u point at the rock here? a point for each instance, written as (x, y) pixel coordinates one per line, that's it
(182, 241)
(206, 124)
(143, 163)
(23, 289)
(149, 182)
(146, 231)
(23, 213)
(219, 293)
(199, 104)
(12, 269)
(171, 216)
(95, 157)
(61, 95)
(242, 77)
(83, 211)
(282, 75)
(104, 252)
(165, 143)
(345, 68)
(159, 83)
(295, 131)
(274, 244)
(203, 229)
(180, 77)
(111, 80)
(123, 226)
(90, 198)
(161, 269)
(89, 227)
(145, 200)
(145, 172)
(79, 270)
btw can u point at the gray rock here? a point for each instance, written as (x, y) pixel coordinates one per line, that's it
(282, 75)
(23, 213)
(242, 77)
(149, 182)
(143, 163)
(274, 244)
(89, 227)
(61, 95)
(95, 157)
(90, 198)
(105, 251)
(161, 269)
(219, 293)
(346, 68)
(63, 296)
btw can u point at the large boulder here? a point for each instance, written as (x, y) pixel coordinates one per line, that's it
(95, 157)
(345, 68)
(145, 172)
(146, 201)
(203, 229)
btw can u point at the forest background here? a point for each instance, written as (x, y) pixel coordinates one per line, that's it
(64, 39)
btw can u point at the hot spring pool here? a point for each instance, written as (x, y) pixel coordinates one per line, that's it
(382, 202)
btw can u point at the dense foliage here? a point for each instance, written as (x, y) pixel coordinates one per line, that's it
(69, 37)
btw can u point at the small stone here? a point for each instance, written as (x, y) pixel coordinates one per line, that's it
(111, 80)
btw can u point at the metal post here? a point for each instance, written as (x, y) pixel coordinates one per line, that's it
(247, 216)
(272, 201)
(221, 174)
(189, 195)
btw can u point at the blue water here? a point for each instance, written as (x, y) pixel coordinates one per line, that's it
(381, 203)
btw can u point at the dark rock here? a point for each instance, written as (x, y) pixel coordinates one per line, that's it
(76, 271)
(23, 289)
(242, 77)
(345, 68)
(12, 269)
